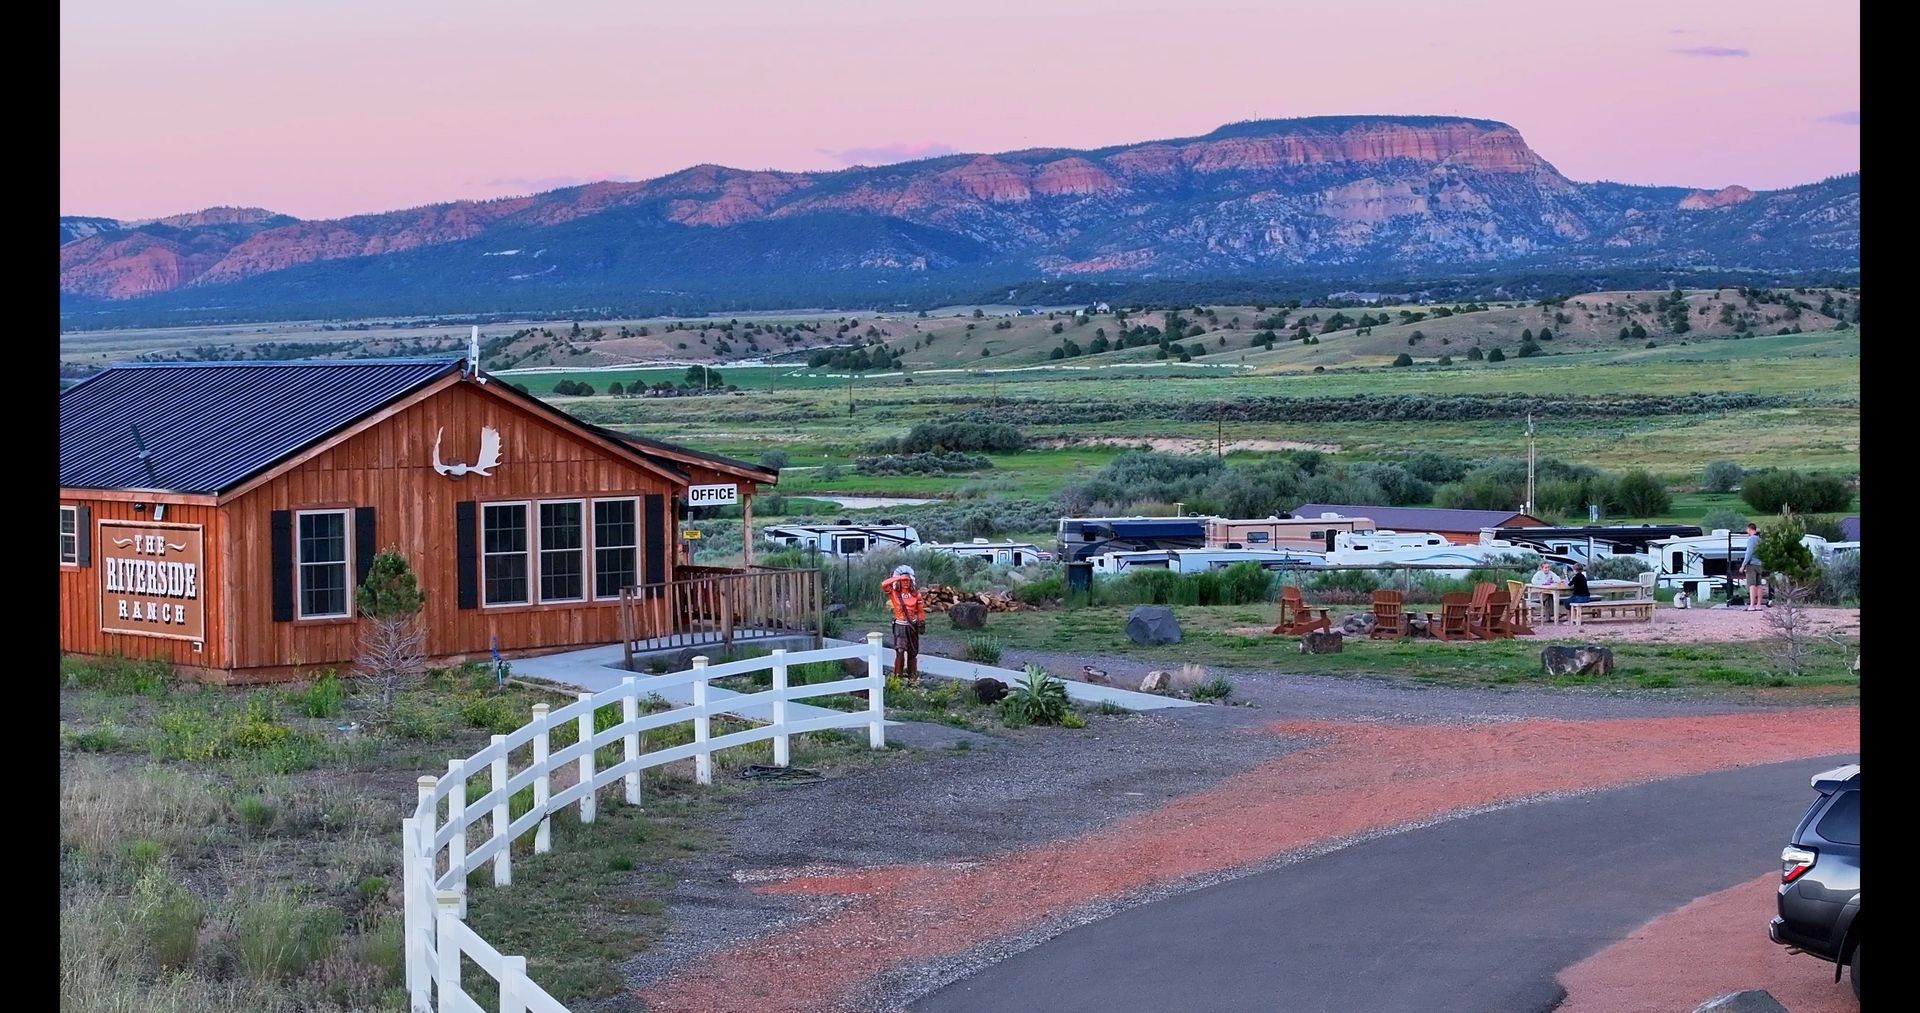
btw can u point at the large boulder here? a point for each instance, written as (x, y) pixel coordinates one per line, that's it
(989, 690)
(1150, 625)
(1577, 659)
(1753, 1000)
(1322, 642)
(1157, 682)
(968, 615)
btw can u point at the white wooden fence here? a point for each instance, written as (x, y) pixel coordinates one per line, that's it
(437, 937)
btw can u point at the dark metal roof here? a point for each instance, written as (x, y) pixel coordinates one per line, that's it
(209, 426)
(1419, 518)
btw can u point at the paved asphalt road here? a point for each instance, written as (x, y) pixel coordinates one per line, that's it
(1475, 915)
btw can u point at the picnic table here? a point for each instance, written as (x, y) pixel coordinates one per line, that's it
(1554, 596)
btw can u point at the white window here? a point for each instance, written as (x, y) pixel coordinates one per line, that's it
(563, 551)
(504, 546)
(616, 546)
(323, 590)
(69, 536)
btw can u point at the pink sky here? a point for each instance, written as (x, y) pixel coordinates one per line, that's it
(320, 109)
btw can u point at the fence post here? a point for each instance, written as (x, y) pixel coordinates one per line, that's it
(457, 819)
(543, 783)
(448, 906)
(502, 817)
(781, 744)
(629, 713)
(702, 728)
(513, 981)
(876, 694)
(419, 978)
(586, 761)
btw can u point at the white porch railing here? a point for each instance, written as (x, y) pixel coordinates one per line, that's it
(436, 889)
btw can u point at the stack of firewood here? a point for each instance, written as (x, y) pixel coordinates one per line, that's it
(939, 598)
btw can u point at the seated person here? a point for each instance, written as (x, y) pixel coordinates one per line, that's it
(1578, 585)
(1545, 577)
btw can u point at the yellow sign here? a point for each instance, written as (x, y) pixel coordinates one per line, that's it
(691, 534)
(151, 578)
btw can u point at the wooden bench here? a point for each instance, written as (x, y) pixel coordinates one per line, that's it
(1636, 609)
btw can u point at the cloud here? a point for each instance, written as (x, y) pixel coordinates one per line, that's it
(1712, 51)
(887, 154)
(1850, 118)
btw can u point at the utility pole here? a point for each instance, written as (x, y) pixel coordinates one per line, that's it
(849, 393)
(1529, 505)
(1219, 436)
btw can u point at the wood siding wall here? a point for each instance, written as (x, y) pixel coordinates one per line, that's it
(80, 591)
(390, 468)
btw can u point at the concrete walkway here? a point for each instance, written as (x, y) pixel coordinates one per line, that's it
(1079, 692)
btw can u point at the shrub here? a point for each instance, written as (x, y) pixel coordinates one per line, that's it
(1724, 520)
(1722, 476)
(256, 814)
(985, 650)
(1617, 568)
(1826, 526)
(104, 738)
(1772, 491)
(115, 675)
(167, 917)
(1639, 494)
(1039, 699)
(1495, 356)
(1403, 359)
(1782, 553)
(775, 460)
(1216, 688)
(1840, 579)
(955, 436)
(1072, 719)
(279, 936)
(324, 698)
(1049, 588)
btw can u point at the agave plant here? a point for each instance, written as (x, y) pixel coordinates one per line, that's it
(1039, 699)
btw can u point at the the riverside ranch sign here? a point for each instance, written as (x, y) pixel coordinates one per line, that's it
(151, 578)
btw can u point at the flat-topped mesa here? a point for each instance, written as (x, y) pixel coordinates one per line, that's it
(1701, 200)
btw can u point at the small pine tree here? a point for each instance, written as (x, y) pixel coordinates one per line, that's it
(1474, 354)
(392, 641)
(1783, 554)
(1496, 356)
(1403, 359)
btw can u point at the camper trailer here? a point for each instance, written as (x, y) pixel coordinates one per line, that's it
(1085, 537)
(997, 553)
(845, 538)
(1310, 534)
(1200, 560)
(1589, 544)
(1385, 548)
(1707, 563)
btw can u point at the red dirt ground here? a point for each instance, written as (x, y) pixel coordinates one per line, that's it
(1360, 777)
(1714, 945)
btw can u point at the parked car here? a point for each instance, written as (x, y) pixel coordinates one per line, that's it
(1820, 877)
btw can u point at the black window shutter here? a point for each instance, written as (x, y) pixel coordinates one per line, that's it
(365, 544)
(656, 543)
(282, 528)
(83, 536)
(466, 518)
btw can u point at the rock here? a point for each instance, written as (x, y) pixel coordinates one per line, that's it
(1149, 625)
(1359, 624)
(838, 608)
(1095, 676)
(1753, 1000)
(1157, 682)
(1322, 642)
(989, 690)
(1582, 659)
(968, 615)
(1417, 625)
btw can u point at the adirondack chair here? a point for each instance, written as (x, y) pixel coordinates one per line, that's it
(1451, 622)
(1477, 612)
(1296, 618)
(1493, 621)
(1520, 621)
(1389, 615)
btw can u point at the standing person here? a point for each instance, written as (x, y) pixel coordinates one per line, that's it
(1578, 586)
(1756, 576)
(909, 619)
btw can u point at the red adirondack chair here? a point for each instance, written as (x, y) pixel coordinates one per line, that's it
(1451, 622)
(1389, 615)
(1296, 618)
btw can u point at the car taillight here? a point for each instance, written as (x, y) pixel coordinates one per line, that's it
(1795, 861)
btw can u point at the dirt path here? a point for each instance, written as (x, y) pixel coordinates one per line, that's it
(874, 937)
(1715, 945)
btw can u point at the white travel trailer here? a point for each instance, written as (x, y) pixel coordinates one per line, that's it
(844, 539)
(997, 553)
(1200, 560)
(1384, 548)
(1705, 565)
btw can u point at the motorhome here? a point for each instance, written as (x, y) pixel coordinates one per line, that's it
(1084, 537)
(1313, 534)
(1592, 543)
(997, 553)
(1385, 548)
(844, 539)
(1201, 560)
(1703, 566)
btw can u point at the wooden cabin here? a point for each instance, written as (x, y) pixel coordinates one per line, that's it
(219, 516)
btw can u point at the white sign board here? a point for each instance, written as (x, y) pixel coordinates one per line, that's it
(712, 495)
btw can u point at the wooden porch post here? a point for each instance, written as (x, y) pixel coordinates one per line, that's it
(746, 528)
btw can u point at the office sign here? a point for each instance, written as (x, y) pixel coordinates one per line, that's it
(151, 579)
(712, 495)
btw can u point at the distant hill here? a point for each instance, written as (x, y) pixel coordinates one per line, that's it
(1356, 197)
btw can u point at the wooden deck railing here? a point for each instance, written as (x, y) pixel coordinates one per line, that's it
(709, 606)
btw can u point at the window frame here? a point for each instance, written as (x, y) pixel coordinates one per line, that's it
(70, 559)
(528, 519)
(536, 575)
(593, 545)
(300, 564)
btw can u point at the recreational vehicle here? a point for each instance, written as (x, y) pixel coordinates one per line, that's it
(1313, 534)
(1083, 537)
(843, 539)
(1200, 560)
(1707, 563)
(1589, 544)
(997, 553)
(1385, 548)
